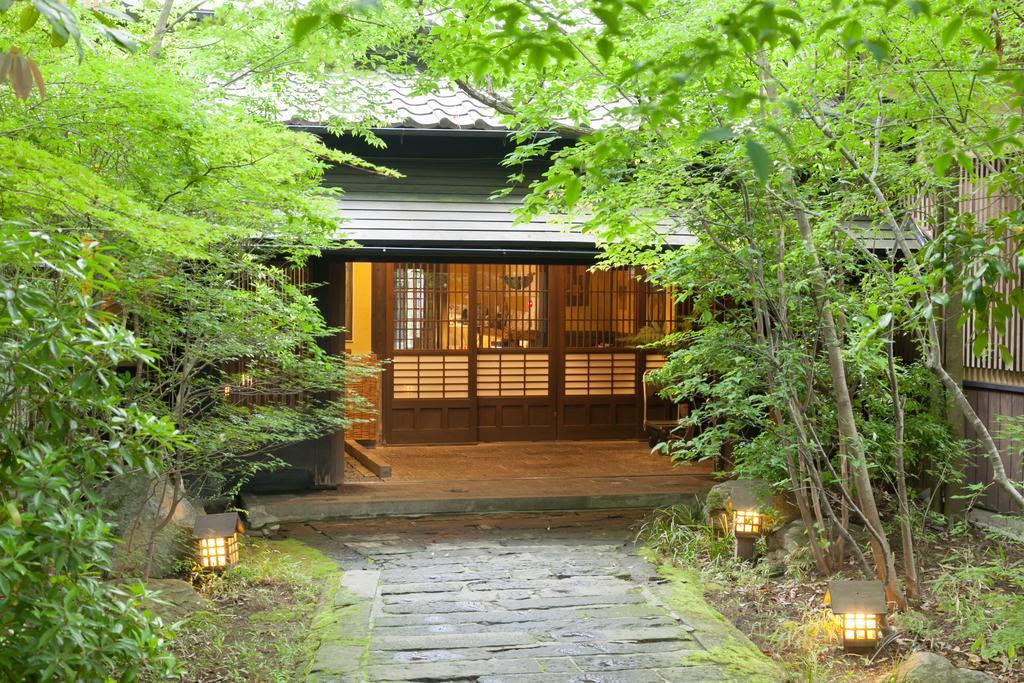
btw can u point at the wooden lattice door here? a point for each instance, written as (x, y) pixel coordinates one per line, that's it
(515, 396)
(505, 352)
(429, 386)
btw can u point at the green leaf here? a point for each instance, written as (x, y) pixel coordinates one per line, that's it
(952, 29)
(830, 24)
(878, 50)
(760, 158)
(639, 6)
(919, 8)
(121, 38)
(980, 343)
(716, 135)
(537, 57)
(940, 164)
(1005, 354)
(29, 17)
(5, 5)
(788, 13)
(982, 38)
(605, 47)
(62, 21)
(12, 510)
(111, 17)
(573, 188)
(609, 16)
(852, 33)
(304, 26)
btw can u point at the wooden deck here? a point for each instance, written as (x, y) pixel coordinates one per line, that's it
(497, 477)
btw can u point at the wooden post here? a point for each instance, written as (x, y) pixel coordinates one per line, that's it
(335, 317)
(381, 295)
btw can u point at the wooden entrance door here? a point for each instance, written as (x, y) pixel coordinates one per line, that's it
(513, 354)
(429, 393)
(598, 394)
(498, 352)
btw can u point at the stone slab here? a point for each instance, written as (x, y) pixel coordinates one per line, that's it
(521, 605)
(361, 583)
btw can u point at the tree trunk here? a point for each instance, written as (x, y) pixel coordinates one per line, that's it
(906, 521)
(929, 340)
(160, 29)
(884, 564)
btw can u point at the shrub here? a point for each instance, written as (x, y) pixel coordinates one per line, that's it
(65, 428)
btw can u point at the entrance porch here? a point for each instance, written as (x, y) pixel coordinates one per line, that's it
(497, 477)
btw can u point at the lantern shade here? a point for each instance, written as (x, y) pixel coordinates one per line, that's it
(218, 539)
(858, 606)
(747, 523)
(856, 597)
(747, 520)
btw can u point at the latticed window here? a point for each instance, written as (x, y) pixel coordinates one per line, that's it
(512, 306)
(600, 308)
(663, 313)
(431, 307)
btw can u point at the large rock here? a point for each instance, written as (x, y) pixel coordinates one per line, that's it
(723, 498)
(789, 538)
(174, 599)
(140, 505)
(928, 667)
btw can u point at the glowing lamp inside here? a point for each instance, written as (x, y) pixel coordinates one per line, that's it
(746, 522)
(861, 628)
(218, 540)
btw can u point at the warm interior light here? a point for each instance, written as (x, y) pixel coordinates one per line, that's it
(859, 627)
(218, 551)
(746, 522)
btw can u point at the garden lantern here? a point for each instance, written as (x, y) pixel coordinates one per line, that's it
(747, 524)
(218, 539)
(859, 608)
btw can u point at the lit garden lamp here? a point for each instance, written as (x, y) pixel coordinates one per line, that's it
(218, 539)
(747, 524)
(859, 608)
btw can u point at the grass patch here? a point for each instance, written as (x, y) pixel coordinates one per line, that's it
(971, 610)
(977, 598)
(259, 626)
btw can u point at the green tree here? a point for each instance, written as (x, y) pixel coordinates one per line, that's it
(67, 425)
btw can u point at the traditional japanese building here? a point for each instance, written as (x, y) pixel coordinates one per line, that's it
(494, 330)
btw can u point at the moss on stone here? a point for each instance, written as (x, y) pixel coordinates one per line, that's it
(725, 645)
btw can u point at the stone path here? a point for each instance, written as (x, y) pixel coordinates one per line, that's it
(517, 598)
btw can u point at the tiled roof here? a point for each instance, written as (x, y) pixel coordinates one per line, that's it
(377, 99)
(381, 100)
(446, 108)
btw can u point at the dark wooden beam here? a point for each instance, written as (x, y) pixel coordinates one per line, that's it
(334, 315)
(373, 461)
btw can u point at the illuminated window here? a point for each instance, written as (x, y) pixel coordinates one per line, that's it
(859, 608)
(431, 306)
(746, 522)
(860, 627)
(218, 552)
(218, 539)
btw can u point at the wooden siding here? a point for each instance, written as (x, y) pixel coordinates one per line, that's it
(994, 387)
(986, 203)
(445, 201)
(991, 405)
